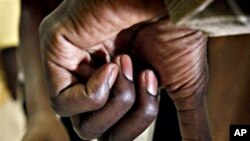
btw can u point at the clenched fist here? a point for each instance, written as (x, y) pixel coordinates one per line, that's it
(179, 55)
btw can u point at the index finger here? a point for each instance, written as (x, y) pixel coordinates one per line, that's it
(77, 97)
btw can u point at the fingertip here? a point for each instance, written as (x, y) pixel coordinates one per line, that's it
(150, 82)
(125, 63)
(127, 67)
(113, 72)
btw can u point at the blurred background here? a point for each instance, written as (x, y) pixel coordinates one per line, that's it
(12, 117)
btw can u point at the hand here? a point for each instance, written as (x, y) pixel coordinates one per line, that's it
(45, 127)
(116, 120)
(79, 37)
(179, 57)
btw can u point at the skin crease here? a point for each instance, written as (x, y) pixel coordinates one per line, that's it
(70, 45)
(85, 89)
(68, 37)
(227, 46)
(122, 96)
(215, 99)
(225, 49)
(179, 57)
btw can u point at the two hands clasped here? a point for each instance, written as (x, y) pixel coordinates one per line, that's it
(101, 60)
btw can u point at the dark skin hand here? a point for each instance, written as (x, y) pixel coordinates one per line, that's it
(179, 57)
(42, 122)
(83, 82)
(69, 36)
(116, 121)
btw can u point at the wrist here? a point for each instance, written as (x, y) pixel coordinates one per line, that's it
(190, 101)
(190, 95)
(194, 123)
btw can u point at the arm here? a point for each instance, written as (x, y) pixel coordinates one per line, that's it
(179, 56)
(41, 118)
(35, 91)
(87, 123)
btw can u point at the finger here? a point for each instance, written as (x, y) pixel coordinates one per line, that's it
(80, 98)
(121, 100)
(142, 114)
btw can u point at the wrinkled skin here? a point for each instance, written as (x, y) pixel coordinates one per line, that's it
(68, 46)
(114, 121)
(79, 40)
(179, 57)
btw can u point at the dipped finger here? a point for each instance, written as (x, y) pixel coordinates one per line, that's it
(79, 98)
(94, 124)
(141, 115)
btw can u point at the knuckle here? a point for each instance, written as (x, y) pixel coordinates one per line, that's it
(127, 99)
(98, 96)
(98, 101)
(49, 30)
(58, 106)
(150, 111)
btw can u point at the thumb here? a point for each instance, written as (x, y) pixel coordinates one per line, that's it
(80, 98)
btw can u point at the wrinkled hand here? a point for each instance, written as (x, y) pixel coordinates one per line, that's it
(45, 127)
(179, 57)
(78, 41)
(75, 38)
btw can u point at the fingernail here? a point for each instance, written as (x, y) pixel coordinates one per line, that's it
(127, 67)
(151, 83)
(112, 76)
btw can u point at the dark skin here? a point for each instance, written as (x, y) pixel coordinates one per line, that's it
(122, 95)
(179, 57)
(80, 86)
(226, 45)
(84, 35)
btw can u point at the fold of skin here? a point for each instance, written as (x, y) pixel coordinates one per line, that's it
(78, 42)
(179, 55)
(84, 32)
